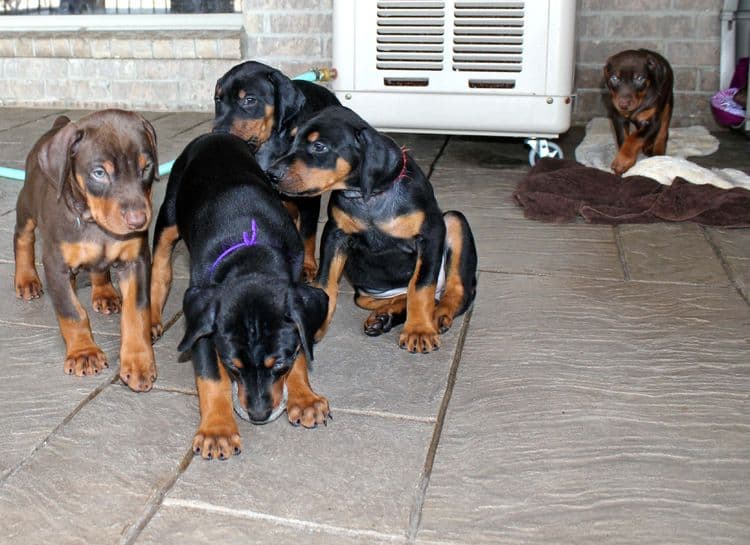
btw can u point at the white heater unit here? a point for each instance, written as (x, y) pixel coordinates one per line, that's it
(489, 67)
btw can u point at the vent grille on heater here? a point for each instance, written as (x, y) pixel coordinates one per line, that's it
(410, 35)
(488, 36)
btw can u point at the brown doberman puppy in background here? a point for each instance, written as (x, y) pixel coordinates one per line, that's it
(88, 191)
(640, 86)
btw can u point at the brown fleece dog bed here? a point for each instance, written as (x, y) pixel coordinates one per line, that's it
(561, 190)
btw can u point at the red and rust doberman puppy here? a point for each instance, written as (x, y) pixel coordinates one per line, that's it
(640, 86)
(88, 191)
(407, 260)
(265, 108)
(248, 317)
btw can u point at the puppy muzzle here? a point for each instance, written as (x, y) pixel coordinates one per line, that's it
(242, 413)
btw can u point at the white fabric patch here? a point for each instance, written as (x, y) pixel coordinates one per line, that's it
(599, 147)
(395, 292)
(665, 169)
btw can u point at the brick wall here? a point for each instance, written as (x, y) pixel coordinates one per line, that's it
(293, 35)
(155, 70)
(177, 70)
(686, 32)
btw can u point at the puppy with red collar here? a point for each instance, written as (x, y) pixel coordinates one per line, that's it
(408, 261)
(640, 87)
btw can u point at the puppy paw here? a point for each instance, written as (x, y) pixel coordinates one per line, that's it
(443, 321)
(421, 339)
(138, 371)
(307, 410)
(28, 287)
(85, 361)
(621, 164)
(157, 330)
(377, 324)
(220, 441)
(309, 270)
(105, 300)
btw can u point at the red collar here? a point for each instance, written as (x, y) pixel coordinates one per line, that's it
(402, 174)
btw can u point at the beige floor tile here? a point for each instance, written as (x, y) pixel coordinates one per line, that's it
(664, 252)
(197, 524)
(359, 472)
(94, 479)
(597, 412)
(35, 394)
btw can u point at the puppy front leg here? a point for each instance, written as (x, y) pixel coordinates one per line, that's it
(166, 236)
(333, 254)
(628, 152)
(82, 355)
(420, 333)
(621, 126)
(217, 435)
(28, 285)
(137, 366)
(304, 406)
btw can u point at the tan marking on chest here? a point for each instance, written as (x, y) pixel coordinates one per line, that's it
(645, 115)
(406, 226)
(82, 254)
(348, 224)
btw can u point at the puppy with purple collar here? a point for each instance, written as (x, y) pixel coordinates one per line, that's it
(249, 317)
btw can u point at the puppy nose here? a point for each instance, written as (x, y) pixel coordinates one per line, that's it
(624, 102)
(275, 174)
(259, 416)
(135, 219)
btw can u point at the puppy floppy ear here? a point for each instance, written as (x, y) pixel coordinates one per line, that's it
(308, 307)
(656, 70)
(200, 306)
(56, 153)
(287, 99)
(151, 137)
(379, 160)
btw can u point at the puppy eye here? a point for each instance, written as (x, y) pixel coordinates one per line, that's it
(318, 147)
(639, 79)
(279, 364)
(217, 99)
(249, 101)
(99, 174)
(614, 80)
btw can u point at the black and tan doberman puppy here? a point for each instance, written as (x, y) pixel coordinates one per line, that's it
(406, 259)
(265, 108)
(248, 317)
(88, 191)
(640, 86)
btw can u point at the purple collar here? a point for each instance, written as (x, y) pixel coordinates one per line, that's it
(247, 240)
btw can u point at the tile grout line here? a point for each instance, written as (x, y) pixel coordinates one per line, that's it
(85, 401)
(438, 156)
(415, 515)
(621, 252)
(724, 265)
(281, 521)
(155, 501)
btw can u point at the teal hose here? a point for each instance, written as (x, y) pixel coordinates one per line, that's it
(315, 74)
(12, 173)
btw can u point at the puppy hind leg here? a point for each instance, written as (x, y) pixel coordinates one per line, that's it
(104, 296)
(461, 270)
(386, 313)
